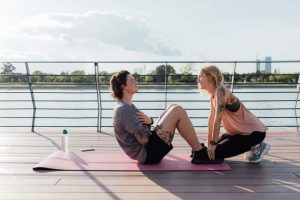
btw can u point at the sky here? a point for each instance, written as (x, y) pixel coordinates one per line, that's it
(149, 30)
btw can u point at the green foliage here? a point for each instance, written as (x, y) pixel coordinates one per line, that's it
(186, 75)
(38, 76)
(8, 69)
(157, 76)
(78, 76)
(161, 71)
(149, 78)
(104, 77)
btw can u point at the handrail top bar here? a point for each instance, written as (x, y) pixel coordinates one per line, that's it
(188, 61)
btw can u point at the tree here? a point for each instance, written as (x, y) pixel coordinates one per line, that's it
(38, 76)
(227, 77)
(78, 76)
(160, 72)
(63, 77)
(149, 78)
(272, 78)
(187, 73)
(187, 69)
(8, 69)
(104, 77)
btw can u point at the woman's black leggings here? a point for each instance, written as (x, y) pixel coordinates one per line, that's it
(229, 146)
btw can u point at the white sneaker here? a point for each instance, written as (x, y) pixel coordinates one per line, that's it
(258, 152)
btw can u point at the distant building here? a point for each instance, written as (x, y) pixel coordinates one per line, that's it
(257, 65)
(268, 65)
(277, 70)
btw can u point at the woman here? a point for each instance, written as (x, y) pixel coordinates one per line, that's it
(244, 130)
(132, 127)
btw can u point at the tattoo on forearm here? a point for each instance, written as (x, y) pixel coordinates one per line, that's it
(142, 135)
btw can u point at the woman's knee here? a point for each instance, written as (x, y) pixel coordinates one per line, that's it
(257, 137)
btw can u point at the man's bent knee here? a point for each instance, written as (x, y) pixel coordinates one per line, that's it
(177, 108)
(171, 105)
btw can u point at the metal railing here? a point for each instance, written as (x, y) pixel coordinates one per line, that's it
(165, 87)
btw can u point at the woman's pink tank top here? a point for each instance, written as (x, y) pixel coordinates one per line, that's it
(241, 122)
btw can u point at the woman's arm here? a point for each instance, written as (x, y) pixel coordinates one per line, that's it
(210, 121)
(217, 108)
(219, 104)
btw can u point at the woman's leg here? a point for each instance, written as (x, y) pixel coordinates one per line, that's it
(223, 137)
(237, 144)
(176, 117)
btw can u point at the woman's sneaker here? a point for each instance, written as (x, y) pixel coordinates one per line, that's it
(257, 153)
(201, 157)
(248, 154)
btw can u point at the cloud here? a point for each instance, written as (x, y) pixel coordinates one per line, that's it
(99, 29)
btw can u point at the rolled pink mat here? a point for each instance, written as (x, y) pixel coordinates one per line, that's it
(68, 160)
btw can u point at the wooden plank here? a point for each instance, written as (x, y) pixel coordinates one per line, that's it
(276, 177)
(130, 180)
(154, 188)
(167, 195)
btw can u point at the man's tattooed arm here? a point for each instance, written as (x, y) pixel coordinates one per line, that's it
(142, 135)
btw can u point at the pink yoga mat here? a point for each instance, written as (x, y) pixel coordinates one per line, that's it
(61, 160)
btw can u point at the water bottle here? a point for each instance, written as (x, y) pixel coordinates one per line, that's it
(64, 141)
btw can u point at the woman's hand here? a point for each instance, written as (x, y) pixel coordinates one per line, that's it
(144, 118)
(211, 151)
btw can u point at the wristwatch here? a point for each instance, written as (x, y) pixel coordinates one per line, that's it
(151, 121)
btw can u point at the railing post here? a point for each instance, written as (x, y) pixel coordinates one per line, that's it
(232, 77)
(32, 96)
(99, 119)
(296, 104)
(166, 85)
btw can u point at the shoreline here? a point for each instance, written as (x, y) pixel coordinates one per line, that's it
(12, 87)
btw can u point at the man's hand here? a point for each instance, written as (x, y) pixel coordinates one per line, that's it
(144, 118)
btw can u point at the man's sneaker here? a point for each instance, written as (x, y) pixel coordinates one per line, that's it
(201, 157)
(258, 152)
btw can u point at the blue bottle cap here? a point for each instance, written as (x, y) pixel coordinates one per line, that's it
(65, 131)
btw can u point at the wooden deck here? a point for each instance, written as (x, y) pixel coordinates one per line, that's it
(276, 177)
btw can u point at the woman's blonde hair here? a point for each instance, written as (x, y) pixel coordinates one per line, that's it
(215, 73)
